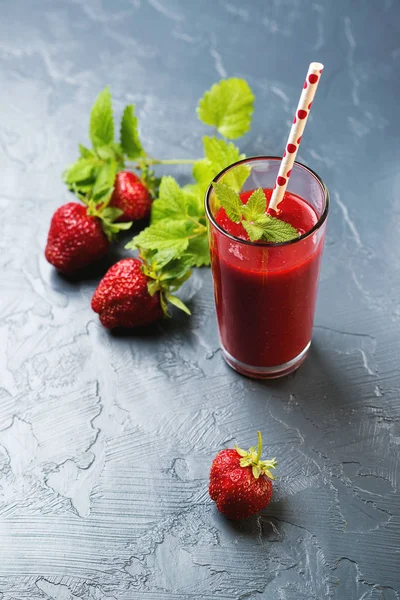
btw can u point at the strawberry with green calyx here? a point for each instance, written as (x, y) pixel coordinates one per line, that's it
(75, 239)
(134, 293)
(80, 234)
(240, 482)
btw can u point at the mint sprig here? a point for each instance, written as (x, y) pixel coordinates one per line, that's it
(253, 217)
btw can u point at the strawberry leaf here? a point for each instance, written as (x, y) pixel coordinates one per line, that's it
(177, 269)
(110, 213)
(241, 452)
(177, 302)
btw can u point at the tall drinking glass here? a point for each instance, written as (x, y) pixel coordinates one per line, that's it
(265, 293)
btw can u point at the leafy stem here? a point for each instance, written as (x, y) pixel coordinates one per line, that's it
(155, 161)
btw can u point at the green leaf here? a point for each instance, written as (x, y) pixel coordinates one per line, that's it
(85, 152)
(241, 452)
(276, 230)
(101, 129)
(129, 136)
(230, 201)
(119, 155)
(105, 176)
(170, 203)
(110, 213)
(256, 205)
(168, 234)
(220, 154)
(254, 231)
(228, 106)
(204, 171)
(269, 229)
(106, 152)
(112, 229)
(177, 268)
(198, 250)
(236, 177)
(175, 284)
(81, 170)
(194, 199)
(177, 302)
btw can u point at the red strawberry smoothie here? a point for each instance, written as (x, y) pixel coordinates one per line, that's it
(265, 294)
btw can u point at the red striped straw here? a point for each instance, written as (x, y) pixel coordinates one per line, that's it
(299, 122)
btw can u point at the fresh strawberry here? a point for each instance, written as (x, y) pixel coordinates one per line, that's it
(133, 293)
(122, 298)
(131, 196)
(75, 239)
(240, 483)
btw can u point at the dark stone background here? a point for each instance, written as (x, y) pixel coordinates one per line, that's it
(106, 441)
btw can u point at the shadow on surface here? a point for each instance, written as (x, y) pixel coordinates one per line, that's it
(91, 274)
(260, 526)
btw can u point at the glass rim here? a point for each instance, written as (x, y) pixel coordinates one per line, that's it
(313, 229)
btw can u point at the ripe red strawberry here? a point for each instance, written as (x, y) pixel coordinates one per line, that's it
(131, 196)
(122, 298)
(75, 238)
(240, 483)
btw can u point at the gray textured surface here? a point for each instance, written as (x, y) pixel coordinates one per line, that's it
(106, 441)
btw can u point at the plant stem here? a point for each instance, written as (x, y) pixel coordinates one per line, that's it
(259, 449)
(195, 235)
(156, 161)
(171, 161)
(199, 225)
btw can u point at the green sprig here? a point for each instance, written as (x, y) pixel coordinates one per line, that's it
(177, 233)
(253, 217)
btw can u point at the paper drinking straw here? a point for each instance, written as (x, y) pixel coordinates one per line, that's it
(299, 122)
